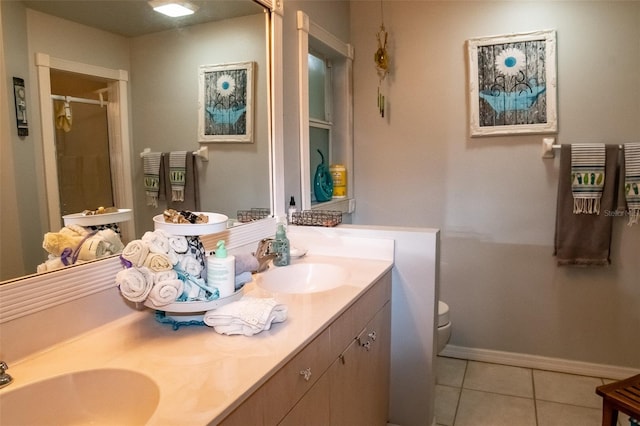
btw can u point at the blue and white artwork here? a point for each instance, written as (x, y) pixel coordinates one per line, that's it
(512, 83)
(226, 105)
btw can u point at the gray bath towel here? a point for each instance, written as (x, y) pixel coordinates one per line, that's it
(585, 240)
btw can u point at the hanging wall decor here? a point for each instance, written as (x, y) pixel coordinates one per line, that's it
(225, 107)
(381, 58)
(512, 84)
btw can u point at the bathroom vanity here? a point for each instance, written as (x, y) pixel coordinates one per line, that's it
(328, 360)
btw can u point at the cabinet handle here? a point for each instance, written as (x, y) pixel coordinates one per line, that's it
(306, 373)
(367, 345)
(373, 335)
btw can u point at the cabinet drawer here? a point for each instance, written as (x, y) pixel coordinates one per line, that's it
(289, 384)
(351, 323)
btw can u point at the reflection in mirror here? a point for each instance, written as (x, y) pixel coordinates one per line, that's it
(161, 63)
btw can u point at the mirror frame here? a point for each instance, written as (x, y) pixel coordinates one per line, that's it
(24, 296)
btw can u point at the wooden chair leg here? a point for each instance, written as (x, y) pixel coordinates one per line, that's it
(609, 414)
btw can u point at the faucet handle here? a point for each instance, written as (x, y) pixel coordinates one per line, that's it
(3, 367)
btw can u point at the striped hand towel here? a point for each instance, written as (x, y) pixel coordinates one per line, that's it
(632, 180)
(177, 174)
(587, 177)
(151, 165)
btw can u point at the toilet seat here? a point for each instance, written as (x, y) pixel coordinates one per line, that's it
(443, 314)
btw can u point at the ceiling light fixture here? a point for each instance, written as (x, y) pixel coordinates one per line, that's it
(173, 8)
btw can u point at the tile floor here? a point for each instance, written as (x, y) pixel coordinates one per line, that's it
(471, 393)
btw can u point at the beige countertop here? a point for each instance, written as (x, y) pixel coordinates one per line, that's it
(202, 375)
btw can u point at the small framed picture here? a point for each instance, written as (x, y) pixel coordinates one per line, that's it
(513, 84)
(225, 104)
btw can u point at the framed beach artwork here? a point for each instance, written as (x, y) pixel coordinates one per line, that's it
(225, 104)
(512, 84)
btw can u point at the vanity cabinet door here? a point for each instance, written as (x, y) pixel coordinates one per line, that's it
(314, 407)
(360, 377)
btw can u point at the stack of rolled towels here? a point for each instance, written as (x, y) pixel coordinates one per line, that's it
(164, 268)
(75, 244)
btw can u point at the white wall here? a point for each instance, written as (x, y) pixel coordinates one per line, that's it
(494, 198)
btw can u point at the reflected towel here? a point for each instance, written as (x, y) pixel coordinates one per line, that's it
(246, 262)
(64, 118)
(135, 283)
(584, 239)
(247, 316)
(632, 181)
(93, 248)
(157, 241)
(151, 166)
(242, 279)
(165, 292)
(136, 252)
(177, 174)
(158, 262)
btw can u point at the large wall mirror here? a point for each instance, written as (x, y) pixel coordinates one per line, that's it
(159, 59)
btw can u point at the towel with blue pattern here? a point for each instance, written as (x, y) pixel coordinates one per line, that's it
(632, 181)
(587, 177)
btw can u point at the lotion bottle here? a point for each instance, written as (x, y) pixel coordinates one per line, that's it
(282, 248)
(221, 271)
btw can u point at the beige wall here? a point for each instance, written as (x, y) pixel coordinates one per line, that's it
(494, 198)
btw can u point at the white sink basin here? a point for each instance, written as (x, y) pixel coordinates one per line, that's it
(303, 278)
(96, 397)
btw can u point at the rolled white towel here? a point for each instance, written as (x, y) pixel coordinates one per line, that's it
(178, 243)
(135, 283)
(157, 241)
(136, 252)
(158, 262)
(165, 292)
(174, 257)
(164, 275)
(246, 262)
(190, 265)
(93, 247)
(248, 316)
(114, 243)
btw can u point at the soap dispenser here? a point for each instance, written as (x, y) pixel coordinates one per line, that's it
(221, 271)
(282, 248)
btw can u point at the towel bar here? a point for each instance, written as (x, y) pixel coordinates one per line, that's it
(202, 152)
(548, 147)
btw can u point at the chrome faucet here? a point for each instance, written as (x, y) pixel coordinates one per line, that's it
(265, 253)
(5, 379)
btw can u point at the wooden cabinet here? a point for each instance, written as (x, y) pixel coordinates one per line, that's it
(340, 378)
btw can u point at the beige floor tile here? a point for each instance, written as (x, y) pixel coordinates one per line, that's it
(502, 379)
(555, 414)
(567, 388)
(450, 371)
(446, 404)
(490, 409)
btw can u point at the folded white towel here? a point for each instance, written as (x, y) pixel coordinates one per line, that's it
(136, 252)
(135, 283)
(165, 292)
(157, 241)
(158, 262)
(248, 316)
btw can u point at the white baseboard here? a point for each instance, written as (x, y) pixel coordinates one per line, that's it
(540, 362)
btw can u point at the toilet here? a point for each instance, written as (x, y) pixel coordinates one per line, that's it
(444, 326)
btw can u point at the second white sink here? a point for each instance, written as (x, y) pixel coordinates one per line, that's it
(303, 278)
